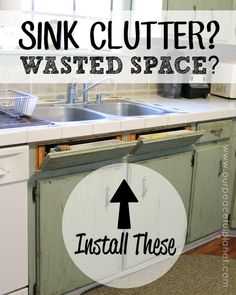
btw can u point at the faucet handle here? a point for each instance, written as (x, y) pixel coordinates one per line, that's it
(71, 93)
(99, 97)
(71, 87)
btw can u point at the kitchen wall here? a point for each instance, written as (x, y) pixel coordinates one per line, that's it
(10, 4)
(52, 92)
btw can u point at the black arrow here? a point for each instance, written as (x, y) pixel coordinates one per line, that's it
(124, 195)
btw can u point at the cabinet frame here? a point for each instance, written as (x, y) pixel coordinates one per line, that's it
(34, 272)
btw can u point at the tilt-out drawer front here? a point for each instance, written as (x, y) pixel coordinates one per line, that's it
(87, 153)
(165, 141)
(215, 130)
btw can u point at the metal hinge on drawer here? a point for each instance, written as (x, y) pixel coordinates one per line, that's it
(192, 160)
(35, 193)
(35, 289)
(229, 219)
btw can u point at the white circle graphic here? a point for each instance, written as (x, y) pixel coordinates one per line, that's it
(124, 225)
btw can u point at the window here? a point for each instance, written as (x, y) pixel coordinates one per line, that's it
(84, 11)
(139, 7)
(150, 10)
(83, 8)
(93, 8)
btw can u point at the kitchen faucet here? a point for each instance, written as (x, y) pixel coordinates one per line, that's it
(72, 94)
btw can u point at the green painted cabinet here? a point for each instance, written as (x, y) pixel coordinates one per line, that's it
(227, 33)
(233, 214)
(179, 4)
(233, 177)
(198, 181)
(206, 205)
(170, 154)
(53, 193)
(58, 273)
(198, 4)
(52, 272)
(177, 169)
(211, 168)
(214, 4)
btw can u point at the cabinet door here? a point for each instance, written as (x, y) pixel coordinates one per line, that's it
(233, 179)
(206, 207)
(213, 4)
(177, 170)
(233, 215)
(58, 273)
(179, 4)
(198, 4)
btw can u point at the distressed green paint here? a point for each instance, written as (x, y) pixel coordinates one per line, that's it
(204, 207)
(215, 130)
(87, 153)
(58, 274)
(177, 169)
(233, 214)
(233, 179)
(206, 204)
(167, 141)
(214, 4)
(179, 4)
(199, 4)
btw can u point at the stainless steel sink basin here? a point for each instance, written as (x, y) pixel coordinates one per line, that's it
(125, 109)
(65, 114)
(96, 111)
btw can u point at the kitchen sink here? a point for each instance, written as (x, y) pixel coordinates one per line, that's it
(125, 109)
(96, 111)
(65, 114)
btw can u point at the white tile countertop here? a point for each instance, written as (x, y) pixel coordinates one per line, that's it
(195, 110)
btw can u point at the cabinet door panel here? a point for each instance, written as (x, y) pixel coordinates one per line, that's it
(198, 4)
(58, 273)
(180, 5)
(206, 207)
(177, 170)
(233, 179)
(213, 4)
(233, 215)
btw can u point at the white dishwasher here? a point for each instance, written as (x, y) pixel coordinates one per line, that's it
(14, 173)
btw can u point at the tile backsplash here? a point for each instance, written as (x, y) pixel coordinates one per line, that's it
(53, 92)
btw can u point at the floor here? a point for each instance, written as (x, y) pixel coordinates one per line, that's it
(192, 274)
(215, 248)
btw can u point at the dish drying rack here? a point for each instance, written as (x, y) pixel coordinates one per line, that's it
(17, 103)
